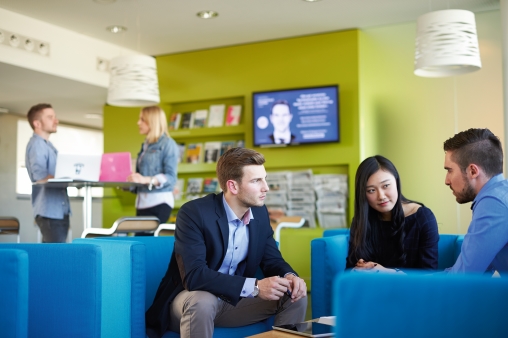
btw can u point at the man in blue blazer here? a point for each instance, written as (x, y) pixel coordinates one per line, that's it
(220, 241)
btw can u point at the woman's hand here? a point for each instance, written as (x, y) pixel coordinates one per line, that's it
(138, 178)
(372, 267)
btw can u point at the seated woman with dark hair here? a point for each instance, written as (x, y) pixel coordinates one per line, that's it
(388, 231)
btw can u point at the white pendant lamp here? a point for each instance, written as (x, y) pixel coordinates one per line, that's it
(133, 81)
(446, 44)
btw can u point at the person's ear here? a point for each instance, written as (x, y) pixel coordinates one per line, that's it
(474, 170)
(232, 186)
(37, 124)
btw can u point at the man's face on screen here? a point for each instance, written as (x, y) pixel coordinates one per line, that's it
(281, 117)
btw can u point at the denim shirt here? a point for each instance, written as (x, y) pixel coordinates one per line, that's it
(40, 160)
(160, 157)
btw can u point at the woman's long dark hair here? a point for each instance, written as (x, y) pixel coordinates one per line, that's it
(366, 225)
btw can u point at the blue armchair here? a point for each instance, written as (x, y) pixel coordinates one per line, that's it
(415, 305)
(14, 295)
(328, 259)
(64, 290)
(148, 267)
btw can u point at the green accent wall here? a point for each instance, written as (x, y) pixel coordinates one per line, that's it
(407, 118)
(237, 72)
(384, 109)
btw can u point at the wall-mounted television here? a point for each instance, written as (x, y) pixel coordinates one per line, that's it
(296, 116)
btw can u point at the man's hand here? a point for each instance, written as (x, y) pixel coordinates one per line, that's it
(45, 179)
(298, 288)
(273, 288)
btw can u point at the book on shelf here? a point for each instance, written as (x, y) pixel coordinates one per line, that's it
(194, 185)
(178, 189)
(216, 117)
(181, 150)
(187, 120)
(174, 121)
(226, 145)
(233, 115)
(193, 153)
(200, 118)
(210, 185)
(212, 152)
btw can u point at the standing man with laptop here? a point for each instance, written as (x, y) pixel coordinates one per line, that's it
(51, 207)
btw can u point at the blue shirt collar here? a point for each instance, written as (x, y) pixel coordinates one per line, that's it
(230, 213)
(39, 136)
(486, 187)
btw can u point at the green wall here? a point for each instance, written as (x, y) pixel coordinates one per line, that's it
(384, 108)
(407, 118)
(237, 72)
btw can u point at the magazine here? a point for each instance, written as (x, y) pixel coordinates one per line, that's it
(226, 145)
(193, 153)
(194, 185)
(181, 149)
(216, 118)
(212, 152)
(178, 189)
(199, 118)
(210, 185)
(187, 119)
(174, 121)
(233, 115)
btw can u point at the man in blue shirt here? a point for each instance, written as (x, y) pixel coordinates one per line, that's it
(51, 206)
(474, 165)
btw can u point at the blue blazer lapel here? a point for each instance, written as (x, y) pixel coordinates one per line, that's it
(254, 245)
(222, 221)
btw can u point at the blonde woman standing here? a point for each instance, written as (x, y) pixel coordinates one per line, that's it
(156, 166)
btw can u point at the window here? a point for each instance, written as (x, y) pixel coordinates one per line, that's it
(68, 139)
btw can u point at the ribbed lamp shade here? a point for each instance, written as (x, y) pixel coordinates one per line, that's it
(446, 44)
(133, 81)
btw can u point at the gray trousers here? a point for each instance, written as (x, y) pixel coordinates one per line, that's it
(195, 313)
(53, 230)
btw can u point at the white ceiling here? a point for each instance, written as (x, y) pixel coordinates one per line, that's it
(158, 27)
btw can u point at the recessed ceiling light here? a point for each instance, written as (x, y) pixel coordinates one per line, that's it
(207, 14)
(311, 0)
(93, 116)
(116, 29)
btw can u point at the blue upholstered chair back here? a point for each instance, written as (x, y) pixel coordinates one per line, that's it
(123, 286)
(328, 259)
(64, 289)
(158, 254)
(335, 232)
(14, 293)
(418, 305)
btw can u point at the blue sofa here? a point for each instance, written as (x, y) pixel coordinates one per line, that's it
(140, 283)
(328, 259)
(14, 295)
(64, 290)
(416, 305)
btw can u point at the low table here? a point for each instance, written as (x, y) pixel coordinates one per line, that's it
(330, 320)
(274, 334)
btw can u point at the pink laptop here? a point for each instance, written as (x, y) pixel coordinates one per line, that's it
(115, 167)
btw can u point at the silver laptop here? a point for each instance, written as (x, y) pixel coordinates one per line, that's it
(78, 167)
